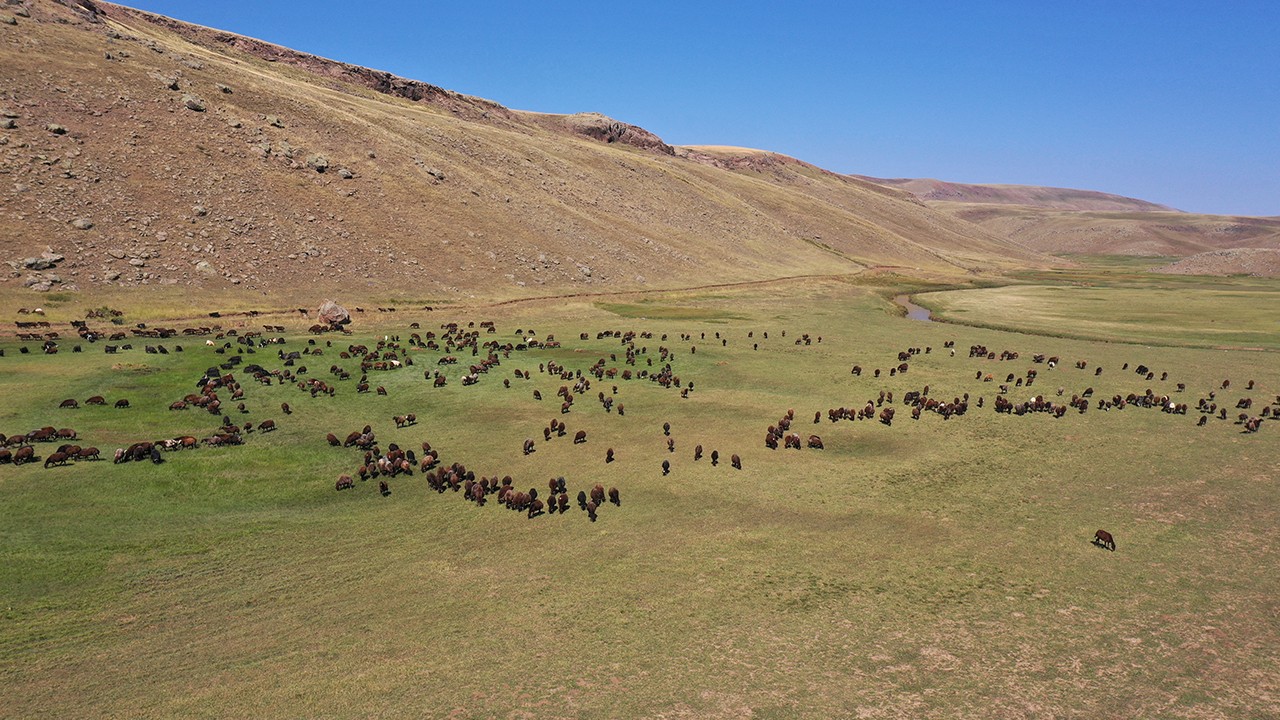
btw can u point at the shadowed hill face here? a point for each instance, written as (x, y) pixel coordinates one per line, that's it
(151, 152)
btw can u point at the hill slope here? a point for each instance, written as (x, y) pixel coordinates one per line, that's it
(208, 159)
(1061, 220)
(1028, 195)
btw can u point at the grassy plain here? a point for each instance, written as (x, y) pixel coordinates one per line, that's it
(928, 569)
(1113, 299)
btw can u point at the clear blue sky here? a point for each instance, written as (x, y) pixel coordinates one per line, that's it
(1176, 102)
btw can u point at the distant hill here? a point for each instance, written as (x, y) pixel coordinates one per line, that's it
(1025, 195)
(1063, 221)
(147, 151)
(1256, 262)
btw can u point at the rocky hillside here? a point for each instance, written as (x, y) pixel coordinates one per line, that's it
(1061, 221)
(1254, 262)
(143, 151)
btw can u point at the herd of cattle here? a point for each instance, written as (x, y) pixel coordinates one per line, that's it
(220, 393)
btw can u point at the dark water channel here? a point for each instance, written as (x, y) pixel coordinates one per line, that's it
(914, 312)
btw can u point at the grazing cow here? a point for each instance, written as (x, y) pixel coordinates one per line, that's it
(122, 403)
(815, 442)
(597, 495)
(614, 497)
(57, 458)
(69, 403)
(671, 444)
(580, 437)
(736, 462)
(563, 502)
(666, 428)
(89, 453)
(666, 467)
(96, 400)
(608, 455)
(267, 425)
(715, 458)
(528, 446)
(697, 453)
(383, 488)
(344, 483)
(591, 510)
(1103, 539)
(582, 499)
(284, 408)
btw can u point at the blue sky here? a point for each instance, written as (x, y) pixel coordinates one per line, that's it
(1173, 102)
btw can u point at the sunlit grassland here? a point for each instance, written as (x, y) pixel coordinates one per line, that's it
(929, 569)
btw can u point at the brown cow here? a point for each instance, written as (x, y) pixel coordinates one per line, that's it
(1103, 539)
(69, 403)
(122, 403)
(580, 437)
(57, 458)
(24, 454)
(736, 462)
(815, 442)
(614, 497)
(591, 510)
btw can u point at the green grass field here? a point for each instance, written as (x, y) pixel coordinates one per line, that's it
(932, 568)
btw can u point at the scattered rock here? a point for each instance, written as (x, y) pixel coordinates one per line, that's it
(35, 263)
(235, 123)
(345, 174)
(22, 12)
(112, 276)
(224, 89)
(41, 282)
(56, 129)
(8, 124)
(435, 173)
(199, 211)
(274, 121)
(9, 20)
(319, 163)
(193, 103)
(116, 253)
(82, 223)
(138, 262)
(331, 312)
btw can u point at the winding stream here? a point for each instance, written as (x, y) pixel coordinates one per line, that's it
(914, 312)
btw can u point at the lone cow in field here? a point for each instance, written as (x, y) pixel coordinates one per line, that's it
(1103, 539)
